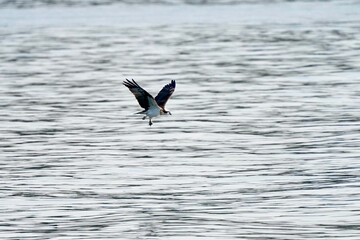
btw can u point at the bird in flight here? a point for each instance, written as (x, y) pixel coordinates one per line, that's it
(153, 106)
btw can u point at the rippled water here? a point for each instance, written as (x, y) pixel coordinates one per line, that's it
(263, 142)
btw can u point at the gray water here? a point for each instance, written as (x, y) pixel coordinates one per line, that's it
(263, 141)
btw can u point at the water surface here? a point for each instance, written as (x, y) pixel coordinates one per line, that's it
(263, 142)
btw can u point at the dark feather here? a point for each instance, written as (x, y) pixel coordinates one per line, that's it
(165, 93)
(140, 94)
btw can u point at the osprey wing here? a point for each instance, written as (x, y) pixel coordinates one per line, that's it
(165, 93)
(142, 96)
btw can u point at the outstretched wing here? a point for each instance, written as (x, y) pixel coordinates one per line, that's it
(165, 93)
(142, 96)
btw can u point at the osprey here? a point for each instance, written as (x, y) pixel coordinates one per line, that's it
(153, 107)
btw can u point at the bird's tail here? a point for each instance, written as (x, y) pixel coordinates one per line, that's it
(142, 112)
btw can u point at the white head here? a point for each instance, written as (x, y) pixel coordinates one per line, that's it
(165, 112)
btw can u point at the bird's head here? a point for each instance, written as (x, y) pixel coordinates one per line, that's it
(166, 112)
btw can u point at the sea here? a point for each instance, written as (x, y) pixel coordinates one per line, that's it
(263, 142)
